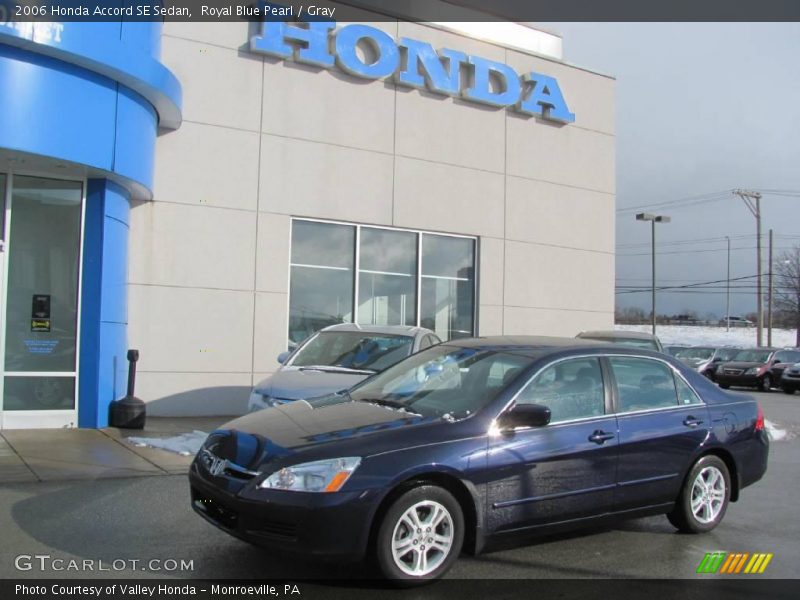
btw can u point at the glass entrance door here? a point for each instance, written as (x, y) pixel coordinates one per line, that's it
(42, 263)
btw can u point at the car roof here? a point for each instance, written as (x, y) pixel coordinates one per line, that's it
(380, 329)
(534, 346)
(614, 334)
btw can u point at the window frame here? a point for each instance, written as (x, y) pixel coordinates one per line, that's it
(418, 275)
(610, 388)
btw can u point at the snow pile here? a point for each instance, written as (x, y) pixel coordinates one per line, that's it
(775, 434)
(691, 335)
(185, 444)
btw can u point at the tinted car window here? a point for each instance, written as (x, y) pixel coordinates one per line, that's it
(354, 350)
(725, 354)
(686, 394)
(643, 384)
(571, 389)
(701, 353)
(756, 356)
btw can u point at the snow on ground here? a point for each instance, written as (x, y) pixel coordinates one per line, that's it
(185, 444)
(775, 434)
(713, 336)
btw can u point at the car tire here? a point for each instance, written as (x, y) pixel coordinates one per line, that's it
(724, 386)
(788, 390)
(704, 496)
(411, 557)
(765, 384)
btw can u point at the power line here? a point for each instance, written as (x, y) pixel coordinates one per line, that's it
(701, 251)
(692, 285)
(687, 201)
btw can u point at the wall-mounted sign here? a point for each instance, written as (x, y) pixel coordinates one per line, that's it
(370, 53)
(40, 313)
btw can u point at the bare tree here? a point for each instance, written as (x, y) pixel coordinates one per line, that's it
(787, 286)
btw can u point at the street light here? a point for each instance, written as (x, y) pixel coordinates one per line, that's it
(653, 220)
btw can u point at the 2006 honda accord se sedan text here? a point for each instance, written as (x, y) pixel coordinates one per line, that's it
(473, 440)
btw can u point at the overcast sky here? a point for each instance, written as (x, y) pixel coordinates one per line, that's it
(701, 108)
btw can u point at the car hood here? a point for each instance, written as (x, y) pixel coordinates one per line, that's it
(294, 384)
(276, 433)
(741, 365)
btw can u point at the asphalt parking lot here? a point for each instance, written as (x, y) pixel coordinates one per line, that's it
(145, 518)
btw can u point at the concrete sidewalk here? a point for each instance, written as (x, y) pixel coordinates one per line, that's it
(29, 455)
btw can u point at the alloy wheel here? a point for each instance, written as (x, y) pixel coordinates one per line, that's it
(422, 538)
(708, 494)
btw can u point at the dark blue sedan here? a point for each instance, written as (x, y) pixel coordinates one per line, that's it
(475, 440)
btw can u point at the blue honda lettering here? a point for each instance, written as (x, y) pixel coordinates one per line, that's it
(481, 89)
(436, 77)
(314, 37)
(387, 56)
(545, 99)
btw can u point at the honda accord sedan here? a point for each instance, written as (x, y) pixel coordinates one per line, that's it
(472, 441)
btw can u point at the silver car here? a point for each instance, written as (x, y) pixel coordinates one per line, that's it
(335, 359)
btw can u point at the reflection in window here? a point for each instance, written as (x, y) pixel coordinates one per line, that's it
(387, 280)
(322, 267)
(394, 279)
(572, 389)
(448, 285)
(643, 384)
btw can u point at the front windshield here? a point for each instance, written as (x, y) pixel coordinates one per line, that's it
(726, 354)
(787, 356)
(702, 353)
(443, 381)
(353, 350)
(755, 356)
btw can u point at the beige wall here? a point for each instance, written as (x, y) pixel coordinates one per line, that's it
(264, 140)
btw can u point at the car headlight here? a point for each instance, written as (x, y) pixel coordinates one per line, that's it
(258, 401)
(318, 476)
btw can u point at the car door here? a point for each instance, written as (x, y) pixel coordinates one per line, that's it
(564, 470)
(662, 423)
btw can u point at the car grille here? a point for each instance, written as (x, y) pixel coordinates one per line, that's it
(733, 371)
(218, 467)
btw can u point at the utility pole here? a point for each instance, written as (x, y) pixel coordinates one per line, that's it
(769, 294)
(728, 291)
(653, 220)
(753, 202)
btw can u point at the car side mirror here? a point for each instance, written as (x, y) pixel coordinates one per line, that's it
(776, 362)
(525, 415)
(283, 357)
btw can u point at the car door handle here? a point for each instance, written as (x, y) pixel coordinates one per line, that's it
(600, 437)
(692, 422)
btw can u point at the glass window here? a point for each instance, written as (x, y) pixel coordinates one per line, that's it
(2, 206)
(390, 267)
(442, 381)
(448, 286)
(756, 356)
(787, 356)
(643, 384)
(43, 268)
(353, 350)
(322, 267)
(387, 277)
(686, 394)
(571, 389)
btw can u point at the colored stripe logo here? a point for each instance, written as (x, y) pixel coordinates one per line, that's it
(734, 563)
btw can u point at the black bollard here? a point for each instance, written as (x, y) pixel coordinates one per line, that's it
(128, 412)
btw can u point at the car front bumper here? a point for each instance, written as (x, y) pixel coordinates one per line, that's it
(334, 525)
(740, 380)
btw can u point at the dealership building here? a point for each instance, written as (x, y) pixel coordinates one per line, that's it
(213, 193)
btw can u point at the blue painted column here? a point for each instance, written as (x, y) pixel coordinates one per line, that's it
(104, 308)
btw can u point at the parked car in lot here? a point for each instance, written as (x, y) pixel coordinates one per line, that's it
(721, 355)
(749, 368)
(790, 382)
(635, 339)
(783, 359)
(697, 357)
(476, 440)
(337, 358)
(736, 322)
